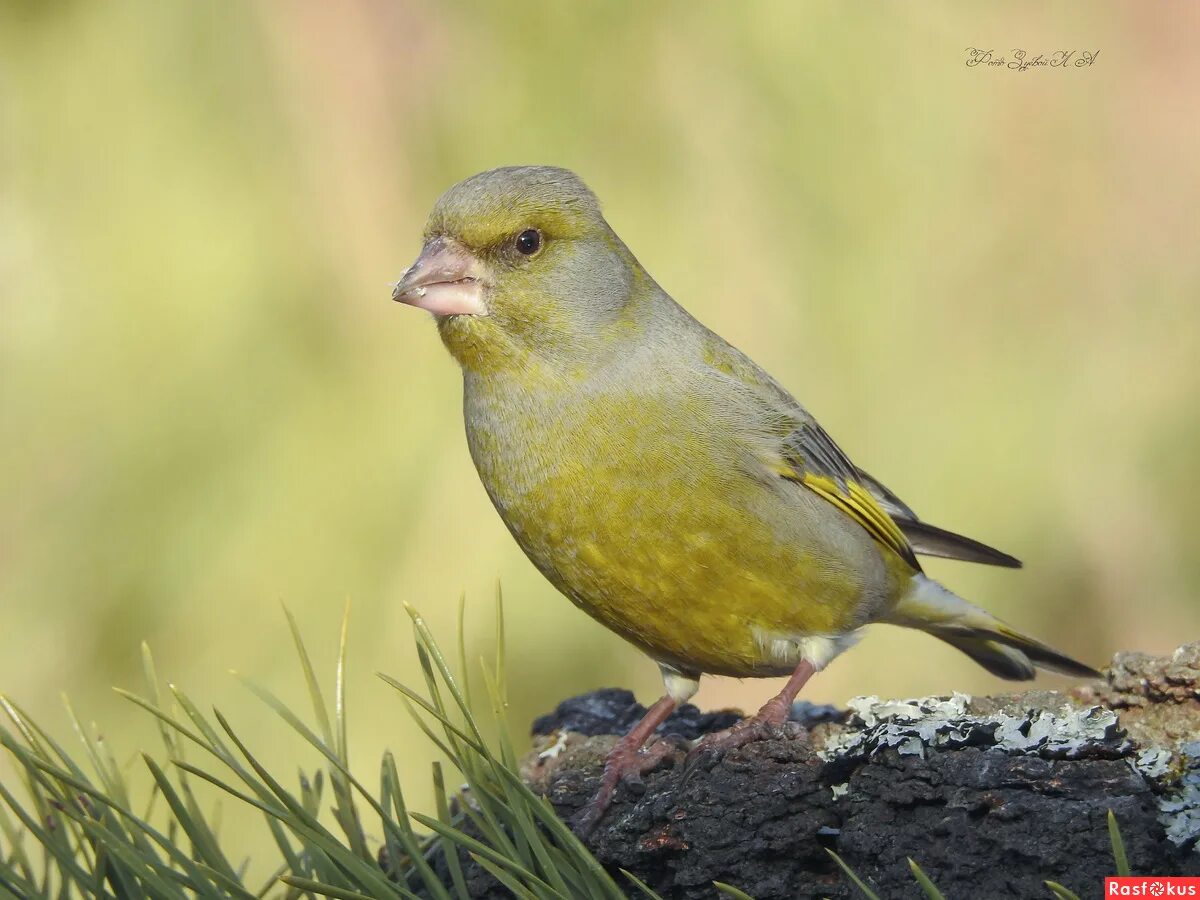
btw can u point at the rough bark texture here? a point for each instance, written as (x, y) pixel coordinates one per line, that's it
(991, 796)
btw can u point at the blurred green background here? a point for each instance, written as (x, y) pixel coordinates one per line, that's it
(986, 283)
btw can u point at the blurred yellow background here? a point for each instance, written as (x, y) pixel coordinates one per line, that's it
(986, 283)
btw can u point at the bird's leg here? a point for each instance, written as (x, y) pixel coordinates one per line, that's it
(763, 724)
(628, 761)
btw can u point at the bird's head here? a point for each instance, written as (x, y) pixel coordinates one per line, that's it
(519, 267)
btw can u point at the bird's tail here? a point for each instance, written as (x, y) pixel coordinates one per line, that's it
(1000, 649)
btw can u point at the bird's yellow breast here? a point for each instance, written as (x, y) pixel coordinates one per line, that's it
(661, 527)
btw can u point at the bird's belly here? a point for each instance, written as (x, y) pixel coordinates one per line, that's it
(702, 571)
(701, 596)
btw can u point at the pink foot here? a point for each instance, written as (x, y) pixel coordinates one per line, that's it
(769, 722)
(744, 732)
(624, 764)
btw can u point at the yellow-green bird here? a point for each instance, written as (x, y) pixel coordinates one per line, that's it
(658, 477)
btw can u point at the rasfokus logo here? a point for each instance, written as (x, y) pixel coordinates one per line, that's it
(1151, 886)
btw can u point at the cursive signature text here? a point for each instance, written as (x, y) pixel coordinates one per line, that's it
(1021, 61)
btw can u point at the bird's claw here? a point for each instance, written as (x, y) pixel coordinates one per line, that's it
(623, 765)
(712, 747)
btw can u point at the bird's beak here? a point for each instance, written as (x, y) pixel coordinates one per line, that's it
(446, 279)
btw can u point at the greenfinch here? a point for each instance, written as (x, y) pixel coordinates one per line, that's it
(658, 477)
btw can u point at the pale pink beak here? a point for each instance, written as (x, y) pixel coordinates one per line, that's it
(446, 279)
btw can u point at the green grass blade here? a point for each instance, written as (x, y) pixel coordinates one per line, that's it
(523, 828)
(526, 830)
(364, 867)
(101, 830)
(53, 847)
(576, 877)
(730, 891)
(43, 747)
(473, 743)
(111, 781)
(287, 800)
(204, 843)
(310, 679)
(200, 879)
(853, 876)
(1118, 845)
(97, 848)
(501, 649)
(165, 719)
(213, 742)
(284, 712)
(292, 815)
(426, 642)
(642, 886)
(505, 803)
(345, 811)
(435, 695)
(400, 829)
(341, 744)
(272, 881)
(23, 726)
(264, 806)
(449, 851)
(338, 768)
(18, 857)
(139, 870)
(463, 668)
(429, 733)
(505, 878)
(476, 767)
(206, 738)
(16, 887)
(310, 793)
(150, 677)
(508, 756)
(1061, 892)
(169, 733)
(474, 846)
(63, 842)
(488, 824)
(328, 890)
(931, 891)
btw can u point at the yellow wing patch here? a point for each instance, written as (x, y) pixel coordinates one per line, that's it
(855, 501)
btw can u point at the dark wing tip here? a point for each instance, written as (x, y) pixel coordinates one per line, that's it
(929, 540)
(1064, 665)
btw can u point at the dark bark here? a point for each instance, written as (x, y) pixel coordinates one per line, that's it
(991, 796)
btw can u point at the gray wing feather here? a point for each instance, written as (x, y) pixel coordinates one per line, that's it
(929, 540)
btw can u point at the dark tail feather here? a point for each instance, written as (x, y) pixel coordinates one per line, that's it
(930, 540)
(1043, 657)
(997, 647)
(1014, 658)
(1001, 661)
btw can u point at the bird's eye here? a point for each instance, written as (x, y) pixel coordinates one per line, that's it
(529, 242)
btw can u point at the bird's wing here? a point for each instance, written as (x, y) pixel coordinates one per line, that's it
(809, 456)
(929, 540)
(896, 508)
(800, 450)
(792, 445)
